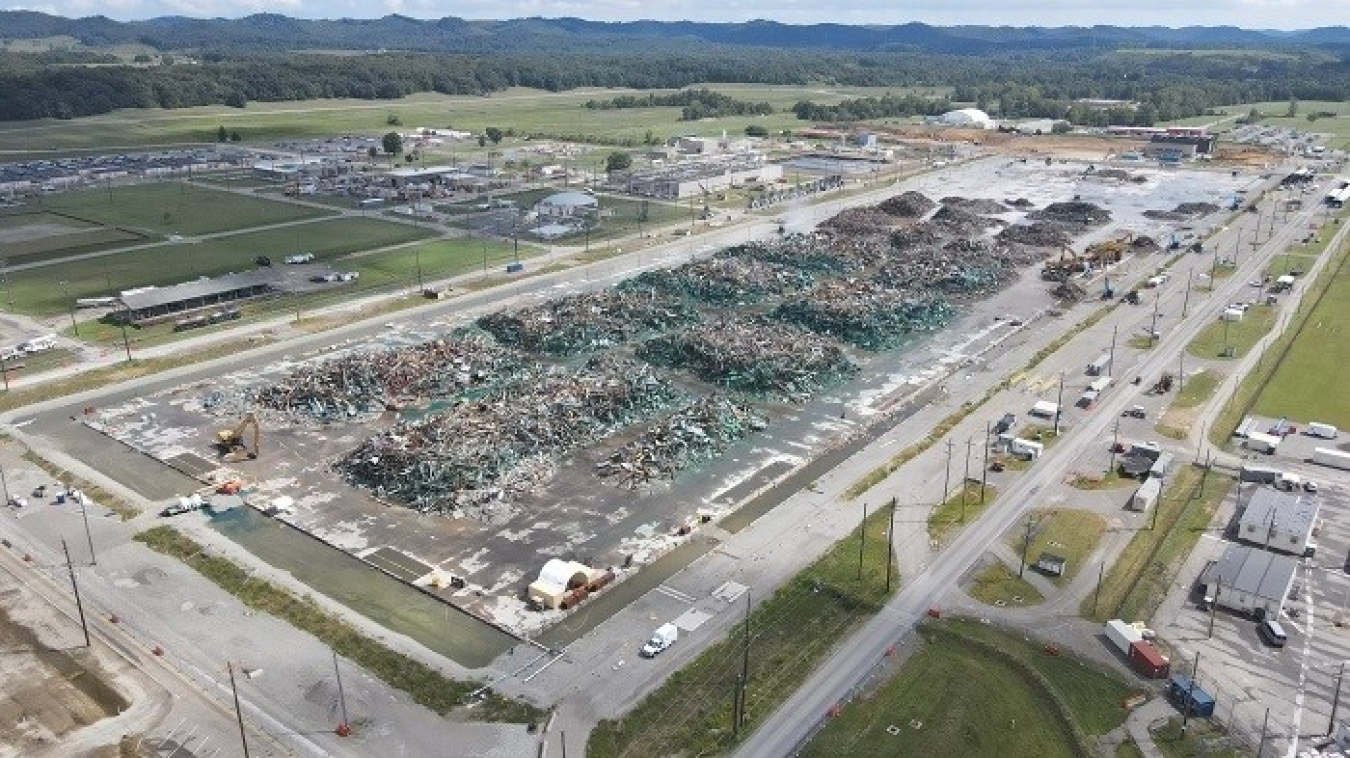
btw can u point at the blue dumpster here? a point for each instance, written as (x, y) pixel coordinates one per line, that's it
(1189, 697)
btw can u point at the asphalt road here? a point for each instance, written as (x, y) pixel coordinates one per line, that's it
(784, 732)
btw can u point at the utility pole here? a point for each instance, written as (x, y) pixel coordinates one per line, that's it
(1214, 268)
(1190, 693)
(1097, 593)
(1114, 330)
(1153, 330)
(1026, 545)
(745, 660)
(4, 483)
(79, 606)
(84, 513)
(947, 474)
(345, 727)
(1214, 605)
(1186, 303)
(984, 471)
(1059, 404)
(1265, 722)
(238, 712)
(1181, 371)
(862, 540)
(1336, 700)
(964, 480)
(1115, 442)
(890, 547)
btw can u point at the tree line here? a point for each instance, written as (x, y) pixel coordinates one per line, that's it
(695, 104)
(1009, 85)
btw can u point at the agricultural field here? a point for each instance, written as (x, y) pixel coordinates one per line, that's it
(524, 110)
(973, 689)
(32, 291)
(174, 208)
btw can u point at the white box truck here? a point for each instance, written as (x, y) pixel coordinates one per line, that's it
(1026, 448)
(1325, 431)
(1146, 496)
(664, 636)
(1044, 409)
(1262, 443)
(1326, 456)
(1122, 635)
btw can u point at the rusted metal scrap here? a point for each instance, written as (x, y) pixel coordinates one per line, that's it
(361, 383)
(695, 433)
(755, 355)
(589, 321)
(483, 451)
(722, 281)
(866, 314)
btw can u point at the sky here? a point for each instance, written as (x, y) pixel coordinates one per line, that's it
(1251, 14)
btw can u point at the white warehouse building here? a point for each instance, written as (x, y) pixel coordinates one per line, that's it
(1280, 521)
(1249, 580)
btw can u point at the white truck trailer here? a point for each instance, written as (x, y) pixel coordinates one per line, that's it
(1326, 456)
(1325, 431)
(1122, 635)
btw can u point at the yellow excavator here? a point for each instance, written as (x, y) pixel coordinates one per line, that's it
(235, 444)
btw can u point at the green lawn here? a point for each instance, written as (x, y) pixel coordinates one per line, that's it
(526, 111)
(1202, 737)
(963, 505)
(1070, 534)
(1108, 481)
(1239, 335)
(43, 235)
(32, 291)
(974, 689)
(1138, 581)
(175, 208)
(690, 714)
(1308, 385)
(439, 259)
(1199, 387)
(999, 584)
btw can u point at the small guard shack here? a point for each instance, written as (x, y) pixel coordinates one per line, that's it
(557, 581)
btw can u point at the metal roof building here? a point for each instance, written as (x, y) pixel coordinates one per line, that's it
(1250, 580)
(151, 304)
(1282, 521)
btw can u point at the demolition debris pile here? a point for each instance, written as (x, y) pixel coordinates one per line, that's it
(907, 205)
(1143, 243)
(1183, 212)
(980, 206)
(358, 384)
(695, 433)
(586, 322)
(859, 221)
(755, 355)
(1072, 213)
(486, 450)
(722, 281)
(1036, 234)
(866, 314)
(956, 222)
(805, 252)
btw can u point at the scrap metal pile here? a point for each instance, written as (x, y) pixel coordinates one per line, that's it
(957, 222)
(755, 355)
(358, 384)
(812, 253)
(859, 221)
(978, 205)
(693, 434)
(866, 314)
(589, 321)
(722, 281)
(1038, 234)
(1074, 213)
(486, 450)
(1183, 212)
(907, 205)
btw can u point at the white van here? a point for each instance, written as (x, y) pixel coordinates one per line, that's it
(1271, 631)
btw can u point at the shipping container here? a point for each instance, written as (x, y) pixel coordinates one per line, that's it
(1262, 474)
(1333, 458)
(1147, 661)
(1122, 635)
(1146, 496)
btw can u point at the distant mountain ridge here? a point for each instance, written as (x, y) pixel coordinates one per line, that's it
(274, 32)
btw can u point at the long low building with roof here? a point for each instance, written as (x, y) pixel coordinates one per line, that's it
(1281, 521)
(1250, 580)
(148, 305)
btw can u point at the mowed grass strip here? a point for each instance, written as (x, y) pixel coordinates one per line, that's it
(998, 584)
(43, 291)
(961, 507)
(1068, 533)
(175, 208)
(1138, 581)
(790, 634)
(424, 684)
(1214, 339)
(975, 689)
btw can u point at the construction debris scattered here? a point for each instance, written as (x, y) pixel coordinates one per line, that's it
(907, 205)
(1183, 212)
(590, 321)
(866, 314)
(859, 221)
(1037, 234)
(1074, 213)
(752, 354)
(956, 222)
(362, 383)
(481, 452)
(978, 205)
(695, 433)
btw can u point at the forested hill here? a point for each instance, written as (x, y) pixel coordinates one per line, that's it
(276, 32)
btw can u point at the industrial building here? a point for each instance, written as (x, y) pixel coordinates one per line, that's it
(1280, 521)
(1249, 580)
(973, 118)
(148, 305)
(567, 205)
(696, 179)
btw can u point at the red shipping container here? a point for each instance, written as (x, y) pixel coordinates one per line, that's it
(1148, 661)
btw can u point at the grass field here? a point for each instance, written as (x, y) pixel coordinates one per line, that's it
(1201, 737)
(1138, 581)
(974, 689)
(1108, 481)
(32, 236)
(524, 110)
(1338, 127)
(1239, 335)
(32, 290)
(790, 634)
(1070, 534)
(174, 208)
(998, 584)
(963, 506)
